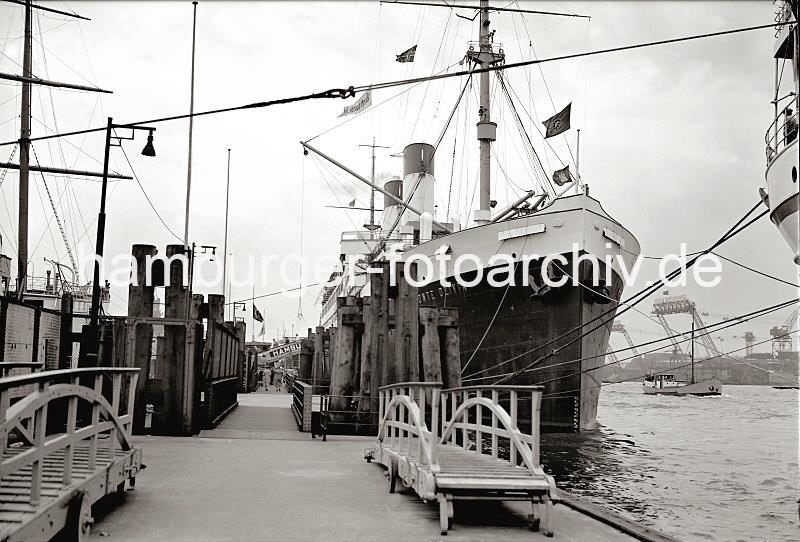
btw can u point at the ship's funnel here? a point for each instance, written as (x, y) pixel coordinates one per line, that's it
(418, 181)
(418, 158)
(395, 188)
(391, 209)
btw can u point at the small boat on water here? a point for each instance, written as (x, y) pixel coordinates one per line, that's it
(667, 384)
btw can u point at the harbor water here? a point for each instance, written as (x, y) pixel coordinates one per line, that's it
(719, 468)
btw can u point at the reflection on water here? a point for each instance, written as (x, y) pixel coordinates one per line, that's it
(700, 468)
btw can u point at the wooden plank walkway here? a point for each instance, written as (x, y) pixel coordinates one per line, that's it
(254, 489)
(15, 493)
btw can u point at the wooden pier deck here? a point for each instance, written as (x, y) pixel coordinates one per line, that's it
(259, 482)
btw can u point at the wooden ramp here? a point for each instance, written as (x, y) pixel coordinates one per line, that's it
(49, 479)
(481, 453)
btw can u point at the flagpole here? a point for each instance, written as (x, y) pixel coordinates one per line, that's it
(191, 126)
(225, 242)
(253, 316)
(578, 164)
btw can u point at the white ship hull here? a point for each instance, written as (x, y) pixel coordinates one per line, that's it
(706, 387)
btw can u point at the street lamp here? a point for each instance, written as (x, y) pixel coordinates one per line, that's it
(148, 150)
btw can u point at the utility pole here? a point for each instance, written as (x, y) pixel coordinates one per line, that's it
(225, 242)
(24, 155)
(372, 226)
(191, 126)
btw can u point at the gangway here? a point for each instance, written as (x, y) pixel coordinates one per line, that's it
(474, 449)
(65, 444)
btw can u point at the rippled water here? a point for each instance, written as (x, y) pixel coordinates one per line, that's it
(700, 468)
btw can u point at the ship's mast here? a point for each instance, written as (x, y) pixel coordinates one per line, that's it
(487, 130)
(24, 149)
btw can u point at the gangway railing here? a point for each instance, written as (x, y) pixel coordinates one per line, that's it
(63, 446)
(466, 443)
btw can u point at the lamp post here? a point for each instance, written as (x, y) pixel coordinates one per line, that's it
(148, 150)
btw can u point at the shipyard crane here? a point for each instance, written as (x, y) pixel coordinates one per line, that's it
(680, 304)
(749, 339)
(619, 327)
(781, 341)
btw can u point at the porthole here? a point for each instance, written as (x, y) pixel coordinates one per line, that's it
(794, 174)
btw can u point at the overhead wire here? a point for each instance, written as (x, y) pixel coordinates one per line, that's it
(147, 197)
(683, 336)
(739, 226)
(350, 91)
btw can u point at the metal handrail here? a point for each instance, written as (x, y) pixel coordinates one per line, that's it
(782, 132)
(28, 418)
(43, 376)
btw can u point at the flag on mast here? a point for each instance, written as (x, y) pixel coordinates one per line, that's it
(361, 104)
(562, 176)
(407, 55)
(263, 329)
(257, 314)
(558, 123)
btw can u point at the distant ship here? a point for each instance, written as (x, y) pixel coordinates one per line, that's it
(783, 192)
(503, 330)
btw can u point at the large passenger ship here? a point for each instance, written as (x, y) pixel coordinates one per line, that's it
(504, 330)
(783, 194)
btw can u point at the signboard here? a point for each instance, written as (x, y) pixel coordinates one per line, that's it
(280, 352)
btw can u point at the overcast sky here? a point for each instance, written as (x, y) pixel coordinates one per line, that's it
(672, 139)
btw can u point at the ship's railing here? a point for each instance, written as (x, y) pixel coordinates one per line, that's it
(781, 133)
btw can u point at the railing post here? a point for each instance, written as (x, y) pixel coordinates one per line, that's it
(39, 431)
(116, 389)
(464, 421)
(5, 399)
(72, 416)
(434, 415)
(495, 402)
(536, 402)
(513, 448)
(478, 424)
(98, 391)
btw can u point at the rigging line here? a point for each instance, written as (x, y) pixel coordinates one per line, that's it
(149, 201)
(5, 235)
(317, 162)
(47, 229)
(355, 116)
(494, 317)
(5, 204)
(642, 294)
(538, 175)
(531, 103)
(521, 128)
(535, 124)
(546, 86)
(407, 200)
(677, 335)
(671, 369)
(512, 65)
(435, 60)
(734, 262)
(57, 217)
(685, 337)
(277, 292)
(330, 93)
(349, 92)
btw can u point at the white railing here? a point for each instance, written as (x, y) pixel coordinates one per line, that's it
(26, 421)
(486, 420)
(403, 426)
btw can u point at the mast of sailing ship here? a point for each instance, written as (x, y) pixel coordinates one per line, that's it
(24, 149)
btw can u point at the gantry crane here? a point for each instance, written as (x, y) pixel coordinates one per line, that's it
(680, 304)
(781, 340)
(619, 327)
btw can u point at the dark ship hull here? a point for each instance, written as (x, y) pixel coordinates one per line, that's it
(525, 322)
